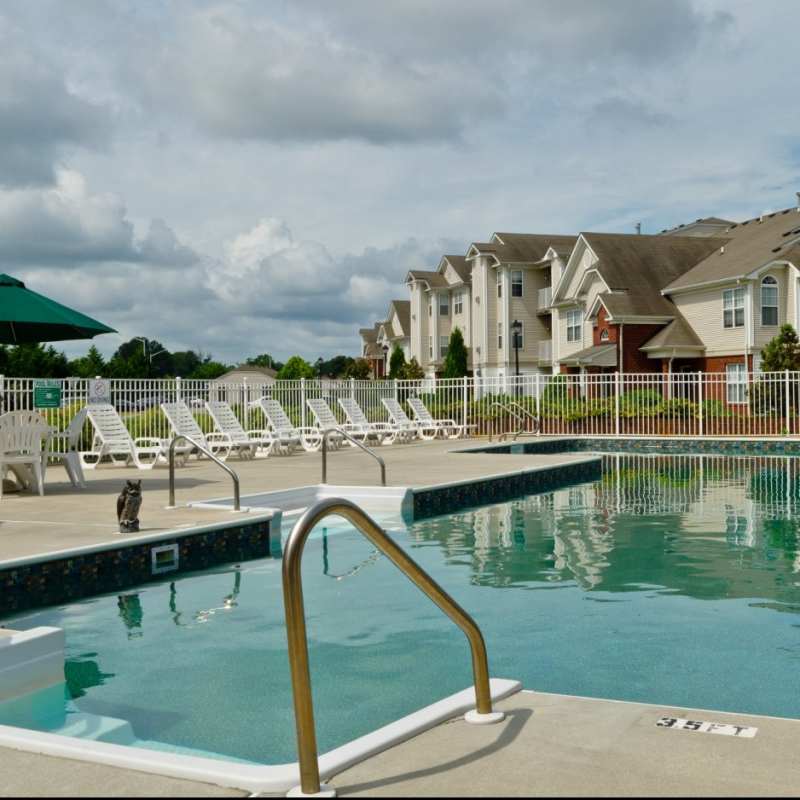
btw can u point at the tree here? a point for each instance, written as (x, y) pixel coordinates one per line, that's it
(185, 363)
(359, 369)
(455, 362)
(413, 371)
(397, 363)
(209, 370)
(782, 352)
(334, 367)
(296, 368)
(89, 366)
(264, 360)
(35, 361)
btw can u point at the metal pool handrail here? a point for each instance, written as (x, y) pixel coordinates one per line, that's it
(296, 622)
(509, 409)
(206, 452)
(355, 441)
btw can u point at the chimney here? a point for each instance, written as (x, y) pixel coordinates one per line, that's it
(639, 224)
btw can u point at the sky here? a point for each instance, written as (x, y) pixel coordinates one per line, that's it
(247, 177)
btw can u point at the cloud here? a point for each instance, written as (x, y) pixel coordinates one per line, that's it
(41, 118)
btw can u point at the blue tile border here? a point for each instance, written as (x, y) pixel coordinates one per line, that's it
(61, 580)
(447, 499)
(731, 447)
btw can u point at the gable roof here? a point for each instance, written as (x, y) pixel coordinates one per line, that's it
(370, 335)
(743, 248)
(522, 248)
(678, 335)
(461, 266)
(403, 310)
(435, 280)
(705, 226)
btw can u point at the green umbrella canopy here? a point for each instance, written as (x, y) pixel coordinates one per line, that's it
(26, 316)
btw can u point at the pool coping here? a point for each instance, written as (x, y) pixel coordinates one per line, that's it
(251, 777)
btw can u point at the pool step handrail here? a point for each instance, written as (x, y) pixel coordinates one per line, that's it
(237, 505)
(296, 624)
(340, 432)
(509, 408)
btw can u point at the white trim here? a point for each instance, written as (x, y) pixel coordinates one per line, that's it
(773, 284)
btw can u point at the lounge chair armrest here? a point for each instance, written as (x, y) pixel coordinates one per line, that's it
(217, 436)
(260, 433)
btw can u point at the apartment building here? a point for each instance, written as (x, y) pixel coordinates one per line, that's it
(379, 341)
(706, 296)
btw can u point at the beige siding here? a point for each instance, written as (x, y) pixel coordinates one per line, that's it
(763, 333)
(462, 320)
(588, 261)
(703, 311)
(524, 309)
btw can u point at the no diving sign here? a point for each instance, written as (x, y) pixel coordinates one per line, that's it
(722, 728)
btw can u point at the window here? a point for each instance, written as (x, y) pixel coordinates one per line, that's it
(769, 301)
(516, 283)
(444, 305)
(733, 308)
(458, 303)
(604, 335)
(574, 319)
(736, 383)
(430, 347)
(443, 342)
(499, 335)
(499, 283)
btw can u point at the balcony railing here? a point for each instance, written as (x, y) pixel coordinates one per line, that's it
(545, 298)
(545, 352)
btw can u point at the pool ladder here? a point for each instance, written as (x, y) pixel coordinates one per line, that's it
(298, 642)
(352, 439)
(513, 408)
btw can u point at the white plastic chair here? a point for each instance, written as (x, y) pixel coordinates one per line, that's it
(64, 445)
(383, 432)
(182, 423)
(111, 438)
(246, 443)
(287, 436)
(444, 427)
(325, 419)
(21, 436)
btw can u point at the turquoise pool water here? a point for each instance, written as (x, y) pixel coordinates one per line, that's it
(672, 580)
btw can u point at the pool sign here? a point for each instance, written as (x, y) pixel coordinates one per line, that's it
(46, 393)
(722, 728)
(99, 390)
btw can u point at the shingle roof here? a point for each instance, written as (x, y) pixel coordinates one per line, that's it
(677, 334)
(461, 266)
(702, 221)
(523, 248)
(433, 279)
(639, 304)
(744, 247)
(370, 334)
(598, 355)
(403, 310)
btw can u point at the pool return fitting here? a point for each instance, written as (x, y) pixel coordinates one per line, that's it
(298, 643)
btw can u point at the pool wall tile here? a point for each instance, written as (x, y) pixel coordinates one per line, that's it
(446, 499)
(48, 583)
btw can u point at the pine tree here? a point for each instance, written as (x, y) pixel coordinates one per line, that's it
(397, 363)
(782, 352)
(455, 362)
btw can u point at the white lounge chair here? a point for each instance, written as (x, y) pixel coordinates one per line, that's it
(384, 432)
(182, 423)
(287, 436)
(246, 443)
(401, 420)
(22, 434)
(64, 446)
(111, 438)
(447, 428)
(325, 419)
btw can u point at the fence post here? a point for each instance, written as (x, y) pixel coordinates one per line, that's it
(788, 424)
(464, 405)
(539, 404)
(352, 388)
(178, 388)
(245, 403)
(616, 403)
(303, 402)
(700, 401)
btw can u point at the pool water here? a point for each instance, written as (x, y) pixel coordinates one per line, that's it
(671, 580)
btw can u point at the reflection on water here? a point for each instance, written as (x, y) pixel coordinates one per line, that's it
(702, 526)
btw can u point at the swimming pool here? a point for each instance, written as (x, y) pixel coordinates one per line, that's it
(672, 580)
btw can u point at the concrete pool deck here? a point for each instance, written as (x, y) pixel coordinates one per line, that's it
(548, 745)
(67, 517)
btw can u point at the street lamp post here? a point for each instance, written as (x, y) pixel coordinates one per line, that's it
(516, 335)
(385, 360)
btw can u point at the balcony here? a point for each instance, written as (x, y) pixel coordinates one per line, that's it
(544, 300)
(546, 352)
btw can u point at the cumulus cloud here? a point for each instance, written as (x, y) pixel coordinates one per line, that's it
(41, 118)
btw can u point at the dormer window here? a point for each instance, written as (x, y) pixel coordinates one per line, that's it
(769, 301)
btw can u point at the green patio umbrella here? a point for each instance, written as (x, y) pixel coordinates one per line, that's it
(26, 316)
